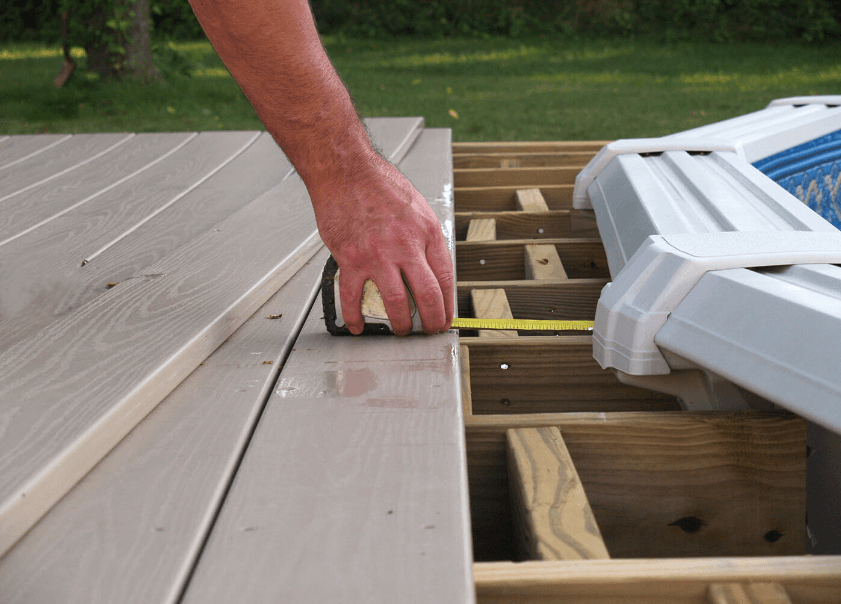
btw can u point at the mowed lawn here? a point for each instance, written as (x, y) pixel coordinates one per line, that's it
(484, 89)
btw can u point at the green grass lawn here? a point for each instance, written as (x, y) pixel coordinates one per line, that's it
(484, 89)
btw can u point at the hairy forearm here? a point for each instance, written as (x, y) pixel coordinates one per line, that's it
(375, 223)
(273, 51)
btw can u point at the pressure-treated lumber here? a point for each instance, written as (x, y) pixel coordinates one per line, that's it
(522, 225)
(513, 176)
(574, 299)
(505, 260)
(501, 198)
(578, 159)
(492, 304)
(464, 364)
(552, 517)
(133, 528)
(534, 374)
(481, 229)
(808, 580)
(136, 342)
(748, 593)
(518, 147)
(530, 200)
(664, 484)
(542, 263)
(371, 423)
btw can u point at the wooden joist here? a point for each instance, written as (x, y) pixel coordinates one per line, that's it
(663, 484)
(807, 580)
(552, 517)
(547, 375)
(520, 225)
(466, 399)
(492, 304)
(748, 593)
(505, 260)
(503, 159)
(573, 299)
(481, 229)
(530, 200)
(518, 147)
(502, 198)
(542, 263)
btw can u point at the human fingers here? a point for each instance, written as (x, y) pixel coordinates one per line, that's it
(427, 294)
(350, 294)
(441, 264)
(395, 299)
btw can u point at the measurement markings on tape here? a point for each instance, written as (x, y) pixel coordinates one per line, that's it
(522, 324)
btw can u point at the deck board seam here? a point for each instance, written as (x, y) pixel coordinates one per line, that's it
(174, 200)
(71, 168)
(94, 195)
(34, 153)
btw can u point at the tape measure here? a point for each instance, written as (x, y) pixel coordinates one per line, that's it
(523, 324)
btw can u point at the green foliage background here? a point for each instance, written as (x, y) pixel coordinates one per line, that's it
(708, 20)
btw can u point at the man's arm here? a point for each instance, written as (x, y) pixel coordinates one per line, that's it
(372, 219)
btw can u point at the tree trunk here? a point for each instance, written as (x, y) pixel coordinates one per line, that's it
(124, 51)
(139, 65)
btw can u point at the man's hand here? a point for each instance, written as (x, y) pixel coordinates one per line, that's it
(379, 227)
(375, 223)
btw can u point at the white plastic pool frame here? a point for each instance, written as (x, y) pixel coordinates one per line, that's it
(725, 286)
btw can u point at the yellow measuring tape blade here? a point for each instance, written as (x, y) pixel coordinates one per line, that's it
(524, 324)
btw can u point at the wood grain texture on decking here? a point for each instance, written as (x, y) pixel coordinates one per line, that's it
(132, 529)
(665, 484)
(58, 161)
(19, 148)
(372, 423)
(56, 426)
(52, 263)
(54, 198)
(808, 580)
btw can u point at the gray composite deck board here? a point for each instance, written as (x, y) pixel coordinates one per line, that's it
(52, 199)
(36, 286)
(353, 488)
(73, 390)
(131, 530)
(62, 159)
(14, 149)
(250, 174)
